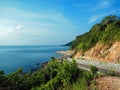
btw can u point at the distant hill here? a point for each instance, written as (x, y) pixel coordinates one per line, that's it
(101, 42)
(68, 44)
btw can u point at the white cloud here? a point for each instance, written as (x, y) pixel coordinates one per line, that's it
(51, 15)
(93, 19)
(24, 27)
(19, 27)
(102, 5)
(33, 20)
(11, 29)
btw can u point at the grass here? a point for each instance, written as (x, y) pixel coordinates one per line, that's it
(80, 84)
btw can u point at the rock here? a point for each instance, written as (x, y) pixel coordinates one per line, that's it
(100, 52)
(108, 83)
(66, 53)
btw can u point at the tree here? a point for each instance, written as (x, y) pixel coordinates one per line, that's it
(109, 19)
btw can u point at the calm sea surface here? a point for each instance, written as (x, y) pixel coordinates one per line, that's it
(14, 57)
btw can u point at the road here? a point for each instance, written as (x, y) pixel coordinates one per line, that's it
(102, 66)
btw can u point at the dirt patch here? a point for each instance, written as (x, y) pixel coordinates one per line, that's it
(108, 83)
(101, 52)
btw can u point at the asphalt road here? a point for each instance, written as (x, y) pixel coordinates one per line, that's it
(102, 67)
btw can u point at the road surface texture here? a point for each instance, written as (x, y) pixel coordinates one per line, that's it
(103, 67)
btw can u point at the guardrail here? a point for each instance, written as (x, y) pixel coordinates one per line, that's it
(103, 67)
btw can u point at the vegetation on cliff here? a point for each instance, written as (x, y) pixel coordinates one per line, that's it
(68, 44)
(105, 32)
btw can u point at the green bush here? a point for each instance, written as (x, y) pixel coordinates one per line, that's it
(93, 69)
(112, 73)
(57, 75)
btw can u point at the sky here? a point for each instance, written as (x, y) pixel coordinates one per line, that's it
(50, 22)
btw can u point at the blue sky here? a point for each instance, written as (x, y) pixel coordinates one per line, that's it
(50, 22)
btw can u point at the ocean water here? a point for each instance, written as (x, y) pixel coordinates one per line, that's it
(14, 57)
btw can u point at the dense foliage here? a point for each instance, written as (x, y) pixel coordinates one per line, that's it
(56, 75)
(68, 44)
(105, 32)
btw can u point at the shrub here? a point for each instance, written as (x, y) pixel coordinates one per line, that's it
(94, 69)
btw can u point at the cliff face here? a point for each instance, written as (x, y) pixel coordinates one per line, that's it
(101, 52)
(101, 43)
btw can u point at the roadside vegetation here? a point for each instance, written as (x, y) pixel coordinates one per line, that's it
(56, 75)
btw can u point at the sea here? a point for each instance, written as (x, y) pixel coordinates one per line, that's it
(26, 57)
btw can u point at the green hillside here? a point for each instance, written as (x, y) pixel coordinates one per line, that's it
(106, 32)
(69, 44)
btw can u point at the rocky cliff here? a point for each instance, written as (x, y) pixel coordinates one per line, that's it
(101, 43)
(101, 52)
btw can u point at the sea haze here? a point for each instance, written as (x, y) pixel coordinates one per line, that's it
(14, 57)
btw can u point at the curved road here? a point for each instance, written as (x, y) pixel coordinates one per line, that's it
(103, 67)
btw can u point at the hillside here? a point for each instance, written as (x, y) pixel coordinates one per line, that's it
(68, 44)
(102, 42)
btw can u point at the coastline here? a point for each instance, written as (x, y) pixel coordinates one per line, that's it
(65, 53)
